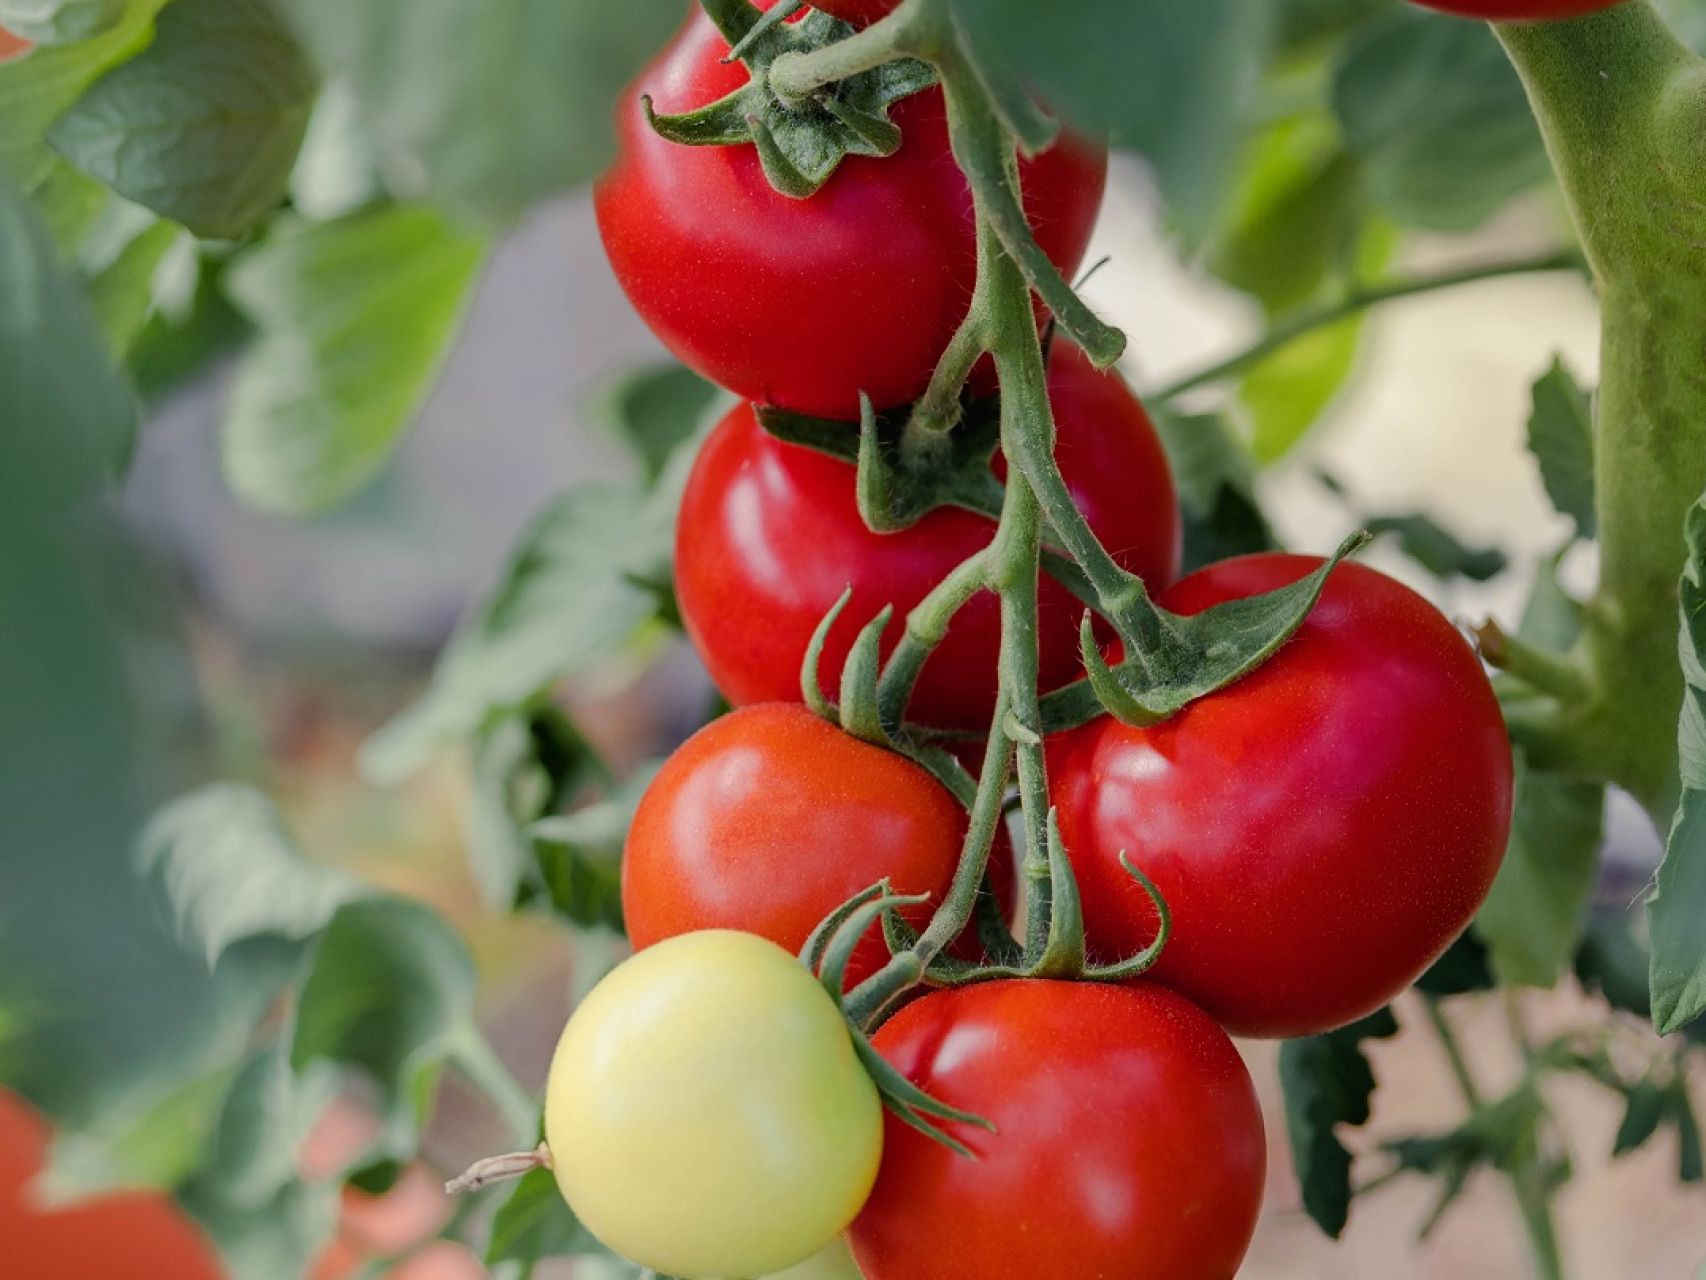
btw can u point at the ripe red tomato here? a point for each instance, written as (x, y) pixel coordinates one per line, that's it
(1322, 829)
(140, 1235)
(804, 303)
(770, 818)
(770, 536)
(859, 12)
(1519, 10)
(1128, 1141)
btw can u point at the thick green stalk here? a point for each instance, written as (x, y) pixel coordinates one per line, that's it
(1623, 107)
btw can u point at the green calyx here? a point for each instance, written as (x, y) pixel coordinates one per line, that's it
(800, 142)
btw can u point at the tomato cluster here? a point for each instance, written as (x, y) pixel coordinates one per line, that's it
(1319, 830)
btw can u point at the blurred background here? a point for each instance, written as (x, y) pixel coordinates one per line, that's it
(215, 641)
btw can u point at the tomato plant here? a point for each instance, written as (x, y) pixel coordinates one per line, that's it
(706, 1113)
(857, 289)
(772, 530)
(927, 539)
(1127, 1140)
(770, 818)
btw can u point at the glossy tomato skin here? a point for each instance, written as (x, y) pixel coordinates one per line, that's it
(1128, 1140)
(770, 535)
(860, 13)
(140, 1235)
(1519, 10)
(1322, 829)
(804, 303)
(770, 818)
(706, 1112)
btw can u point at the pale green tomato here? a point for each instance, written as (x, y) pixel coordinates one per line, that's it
(834, 1263)
(706, 1112)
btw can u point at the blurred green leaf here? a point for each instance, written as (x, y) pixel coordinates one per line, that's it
(1215, 476)
(525, 766)
(1641, 1117)
(1533, 918)
(389, 994)
(654, 412)
(571, 595)
(58, 377)
(1464, 967)
(1437, 549)
(356, 317)
(1503, 1135)
(36, 90)
(1304, 22)
(53, 22)
(265, 1242)
(1560, 436)
(1690, 1158)
(203, 126)
(504, 101)
(535, 1222)
(1433, 110)
(580, 856)
(227, 870)
(1677, 904)
(1169, 80)
(266, 1116)
(1297, 216)
(122, 292)
(1287, 393)
(1328, 1082)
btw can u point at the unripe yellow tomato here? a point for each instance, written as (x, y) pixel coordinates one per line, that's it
(707, 1114)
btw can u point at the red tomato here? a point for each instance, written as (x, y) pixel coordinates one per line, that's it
(1128, 1141)
(859, 12)
(769, 818)
(1322, 829)
(770, 536)
(804, 303)
(11, 46)
(140, 1235)
(1519, 10)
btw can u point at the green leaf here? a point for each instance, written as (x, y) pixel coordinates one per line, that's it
(1286, 394)
(1678, 902)
(1172, 81)
(1503, 1135)
(525, 766)
(122, 293)
(279, 1238)
(1432, 109)
(535, 1222)
(1464, 967)
(1215, 475)
(35, 91)
(1560, 436)
(355, 318)
(580, 856)
(503, 101)
(1641, 1117)
(265, 1119)
(227, 871)
(203, 126)
(1437, 549)
(1533, 918)
(51, 22)
(1690, 1158)
(1328, 1082)
(654, 412)
(390, 994)
(1186, 658)
(1296, 218)
(59, 380)
(572, 595)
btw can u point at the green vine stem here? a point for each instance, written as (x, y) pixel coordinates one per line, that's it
(1622, 104)
(1528, 1179)
(1359, 299)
